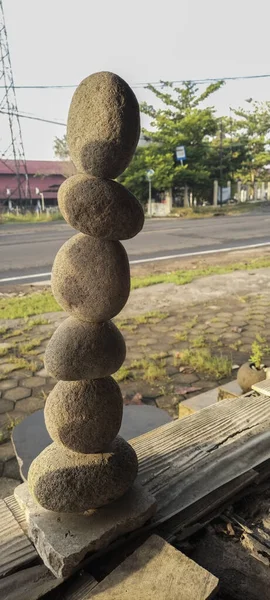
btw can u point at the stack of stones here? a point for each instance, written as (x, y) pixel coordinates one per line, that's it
(88, 465)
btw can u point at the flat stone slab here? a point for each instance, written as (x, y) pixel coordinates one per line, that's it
(62, 540)
(157, 571)
(30, 436)
(205, 399)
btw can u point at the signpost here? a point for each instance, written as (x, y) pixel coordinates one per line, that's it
(180, 153)
(149, 176)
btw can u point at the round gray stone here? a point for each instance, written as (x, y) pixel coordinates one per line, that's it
(103, 125)
(90, 278)
(64, 481)
(101, 208)
(80, 350)
(84, 416)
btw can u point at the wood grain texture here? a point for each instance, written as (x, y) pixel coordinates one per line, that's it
(157, 571)
(16, 549)
(184, 461)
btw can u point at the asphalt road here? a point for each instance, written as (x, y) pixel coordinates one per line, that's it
(27, 251)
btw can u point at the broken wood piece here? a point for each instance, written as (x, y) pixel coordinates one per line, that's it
(157, 571)
(240, 574)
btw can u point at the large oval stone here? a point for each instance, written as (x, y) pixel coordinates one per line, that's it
(84, 416)
(90, 278)
(64, 481)
(82, 350)
(99, 207)
(103, 125)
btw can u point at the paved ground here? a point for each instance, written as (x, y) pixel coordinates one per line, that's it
(157, 370)
(27, 251)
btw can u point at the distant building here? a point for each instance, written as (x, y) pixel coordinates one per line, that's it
(44, 177)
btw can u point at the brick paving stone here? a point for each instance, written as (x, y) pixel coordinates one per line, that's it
(30, 405)
(11, 469)
(8, 384)
(20, 373)
(6, 452)
(33, 382)
(7, 487)
(42, 373)
(184, 378)
(4, 366)
(6, 406)
(17, 394)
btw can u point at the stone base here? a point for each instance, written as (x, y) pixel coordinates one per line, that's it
(62, 540)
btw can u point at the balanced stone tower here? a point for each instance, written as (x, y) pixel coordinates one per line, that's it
(88, 465)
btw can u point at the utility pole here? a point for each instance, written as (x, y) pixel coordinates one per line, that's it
(149, 176)
(221, 161)
(12, 154)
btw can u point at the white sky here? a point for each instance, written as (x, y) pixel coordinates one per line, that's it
(59, 42)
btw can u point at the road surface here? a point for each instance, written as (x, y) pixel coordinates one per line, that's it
(27, 251)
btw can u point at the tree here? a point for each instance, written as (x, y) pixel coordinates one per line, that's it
(182, 120)
(251, 130)
(60, 148)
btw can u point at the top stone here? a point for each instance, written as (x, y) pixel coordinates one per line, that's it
(103, 125)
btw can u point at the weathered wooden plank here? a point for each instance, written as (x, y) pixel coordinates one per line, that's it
(17, 512)
(28, 584)
(15, 547)
(262, 387)
(200, 513)
(157, 571)
(182, 462)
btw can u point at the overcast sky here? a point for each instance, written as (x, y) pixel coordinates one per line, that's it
(59, 42)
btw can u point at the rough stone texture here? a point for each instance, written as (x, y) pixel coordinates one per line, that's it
(30, 436)
(90, 278)
(246, 377)
(17, 393)
(84, 416)
(62, 541)
(100, 208)
(80, 350)
(103, 125)
(63, 481)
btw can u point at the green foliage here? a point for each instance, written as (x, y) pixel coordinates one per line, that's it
(207, 363)
(259, 349)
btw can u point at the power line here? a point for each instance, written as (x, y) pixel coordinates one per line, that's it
(24, 116)
(145, 84)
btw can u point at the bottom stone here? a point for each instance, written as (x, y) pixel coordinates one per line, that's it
(62, 540)
(64, 481)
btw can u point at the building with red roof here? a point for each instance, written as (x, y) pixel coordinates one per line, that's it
(44, 177)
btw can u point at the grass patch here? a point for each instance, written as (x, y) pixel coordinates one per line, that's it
(199, 342)
(27, 306)
(123, 374)
(30, 218)
(202, 212)
(181, 337)
(26, 347)
(183, 277)
(153, 370)
(203, 361)
(17, 364)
